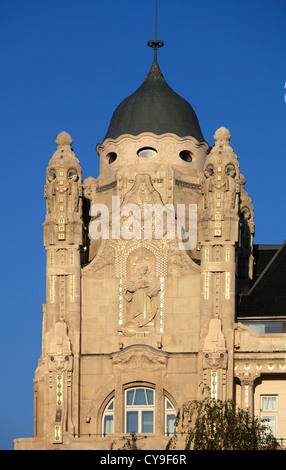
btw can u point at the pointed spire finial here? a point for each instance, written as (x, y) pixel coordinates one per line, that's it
(155, 43)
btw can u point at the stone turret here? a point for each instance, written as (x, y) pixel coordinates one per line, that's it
(63, 240)
(223, 197)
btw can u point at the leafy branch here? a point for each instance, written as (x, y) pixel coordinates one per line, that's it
(221, 425)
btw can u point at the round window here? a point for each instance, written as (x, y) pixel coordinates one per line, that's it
(111, 157)
(146, 152)
(186, 155)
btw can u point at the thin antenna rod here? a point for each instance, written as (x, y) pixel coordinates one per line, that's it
(155, 43)
(156, 22)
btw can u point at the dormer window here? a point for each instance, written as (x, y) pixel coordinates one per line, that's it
(146, 152)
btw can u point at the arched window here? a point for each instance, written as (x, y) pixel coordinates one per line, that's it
(108, 418)
(170, 416)
(139, 410)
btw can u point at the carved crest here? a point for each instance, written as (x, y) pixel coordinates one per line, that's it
(140, 359)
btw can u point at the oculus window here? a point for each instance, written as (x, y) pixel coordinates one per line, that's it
(111, 157)
(186, 156)
(146, 152)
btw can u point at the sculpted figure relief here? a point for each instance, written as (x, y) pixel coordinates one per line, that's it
(75, 191)
(140, 292)
(247, 230)
(246, 243)
(57, 188)
(207, 186)
(50, 191)
(88, 186)
(220, 187)
(217, 185)
(232, 187)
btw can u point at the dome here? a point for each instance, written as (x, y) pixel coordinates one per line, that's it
(155, 108)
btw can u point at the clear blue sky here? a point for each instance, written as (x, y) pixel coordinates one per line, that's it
(66, 65)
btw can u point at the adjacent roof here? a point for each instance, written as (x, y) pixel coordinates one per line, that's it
(267, 296)
(155, 108)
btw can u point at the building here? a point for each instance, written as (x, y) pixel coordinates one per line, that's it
(155, 289)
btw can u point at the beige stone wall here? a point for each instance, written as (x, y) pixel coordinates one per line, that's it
(168, 147)
(182, 314)
(99, 323)
(104, 378)
(272, 385)
(99, 315)
(172, 370)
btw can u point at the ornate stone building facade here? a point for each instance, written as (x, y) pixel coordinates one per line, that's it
(139, 318)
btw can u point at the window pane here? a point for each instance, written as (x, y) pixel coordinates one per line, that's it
(271, 423)
(111, 406)
(265, 327)
(140, 398)
(147, 421)
(130, 394)
(108, 424)
(170, 424)
(269, 403)
(169, 406)
(256, 327)
(150, 396)
(132, 421)
(264, 403)
(146, 153)
(274, 327)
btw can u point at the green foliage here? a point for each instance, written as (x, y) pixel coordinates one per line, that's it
(130, 443)
(221, 425)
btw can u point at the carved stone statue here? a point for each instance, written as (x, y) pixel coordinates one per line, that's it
(207, 186)
(220, 188)
(231, 189)
(75, 191)
(247, 230)
(140, 292)
(63, 188)
(88, 186)
(50, 192)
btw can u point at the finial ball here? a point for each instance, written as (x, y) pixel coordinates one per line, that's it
(222, 134)
(64, 139)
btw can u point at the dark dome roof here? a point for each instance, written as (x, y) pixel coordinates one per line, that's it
(155, 108)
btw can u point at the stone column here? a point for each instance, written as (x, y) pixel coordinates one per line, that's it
(247, 392)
